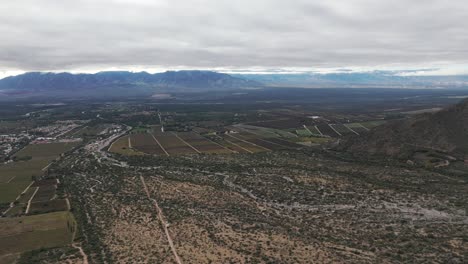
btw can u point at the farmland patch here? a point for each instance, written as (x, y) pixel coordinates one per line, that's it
(27, 233)
(342, 129)
(372, 124)
(124, 146)
(243, 144)
(45, 151)
(173, 145)
(145, 142)
(48, 206)
(327, 130)
(202, 144)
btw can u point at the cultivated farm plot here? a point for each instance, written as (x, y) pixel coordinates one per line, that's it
(372, 124)
(72, 132)
(202, 144)
(39, 198)
(342, 129)
(45, 193)
(358, 127)
(267, 143)
(17, 176)
(232, 147)
(183, 143)
(313, 130)
(22, 170)
(327, 130)
(10, 191)
(26, 233)
(122, 146)
(303, 133)
(284, 123)
(17, 210)
(256, 141)
(146, 143)
(259, 131)
(46, 151)
(48, 206)
(241, 145)
(263, 131)
(173, 145)
(16, 126)
(22, 202)
(89, 130)
(285, 143)
(202, 130)
(24, 198)
(159, 143)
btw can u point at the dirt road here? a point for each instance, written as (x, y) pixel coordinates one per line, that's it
(163, 222)
(83, 254)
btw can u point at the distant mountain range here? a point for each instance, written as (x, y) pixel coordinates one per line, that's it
(140, 84)
(387, 79)
(118, 83)
(446, 131)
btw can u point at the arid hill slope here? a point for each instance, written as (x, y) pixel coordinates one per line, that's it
(445, 130)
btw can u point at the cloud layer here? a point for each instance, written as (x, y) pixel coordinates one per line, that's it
(51, 35)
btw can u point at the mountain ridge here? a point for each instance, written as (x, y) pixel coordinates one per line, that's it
(395, 79)
(444, 131)
(61, 83)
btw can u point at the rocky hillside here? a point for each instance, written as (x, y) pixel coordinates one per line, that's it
(443, 131)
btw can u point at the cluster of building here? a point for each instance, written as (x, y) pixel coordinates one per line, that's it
(11, 142)
(55, 130)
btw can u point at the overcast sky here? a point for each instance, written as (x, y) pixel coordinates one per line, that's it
(92, 35)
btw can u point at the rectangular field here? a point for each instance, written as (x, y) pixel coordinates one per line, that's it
(284, 143)
(27, 233)
(89, 130)
(17, 210)
(124, 146)
(173, 145)
(283, 123)
(327, 130)
(48, 206)
(372, 124)
(342, 129)
(45, 193)
(242, 144)
(10, 191)
(16, 176)
(259, 131)
(24, 198)
(303, 133)
(16, 126)
(202, 144)
(313, 130)
(21, 171)
(181, 143)
(221, 141)
(266, 143)
(358, 127)
(45, 151)
(146, 143)
(263, 131)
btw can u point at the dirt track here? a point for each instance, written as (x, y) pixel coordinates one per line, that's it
(163, 222)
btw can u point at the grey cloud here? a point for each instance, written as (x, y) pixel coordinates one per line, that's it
(66, 35)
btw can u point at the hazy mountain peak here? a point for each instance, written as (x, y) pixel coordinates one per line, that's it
(65, 84)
